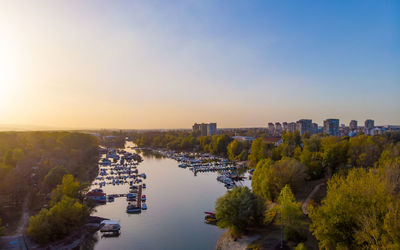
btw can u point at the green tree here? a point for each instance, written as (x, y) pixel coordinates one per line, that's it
(238, 209)
(357, 213)
(289, 207)
(58, 221)
(237, 151)
(69, 187)
(334, 154)
(55, 176)
(258, 151)
(290, 141)
(269, 177)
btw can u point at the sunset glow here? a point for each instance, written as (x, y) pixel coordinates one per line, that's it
(152, 64)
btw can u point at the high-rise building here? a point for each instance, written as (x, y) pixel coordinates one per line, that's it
(285, 126)
(205, 128)
(369, 124)
(353, 125)
(278, 128)
(211, 129)
(314, 128)
(331, 127)
(292, 127)
(304, 125)
(271, 128)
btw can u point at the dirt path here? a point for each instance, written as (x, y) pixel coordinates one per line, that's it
(304, 206)
(24, 218)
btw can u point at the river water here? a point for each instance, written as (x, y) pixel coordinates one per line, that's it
(176, 201)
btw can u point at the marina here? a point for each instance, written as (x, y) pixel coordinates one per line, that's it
(173, 212)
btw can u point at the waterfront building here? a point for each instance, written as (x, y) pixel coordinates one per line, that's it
(304, 125)
(331, 127)
(353, 125)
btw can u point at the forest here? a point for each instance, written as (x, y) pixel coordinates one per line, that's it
(359, 208)
(33, 164)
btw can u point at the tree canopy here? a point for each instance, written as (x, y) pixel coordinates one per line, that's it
(239, 209)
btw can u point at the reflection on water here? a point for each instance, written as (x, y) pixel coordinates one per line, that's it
(174, 219)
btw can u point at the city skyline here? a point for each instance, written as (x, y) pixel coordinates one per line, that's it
(158, 65)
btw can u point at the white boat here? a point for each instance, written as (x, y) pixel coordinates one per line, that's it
(110, 226)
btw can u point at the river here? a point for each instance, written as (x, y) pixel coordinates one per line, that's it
(176, 201)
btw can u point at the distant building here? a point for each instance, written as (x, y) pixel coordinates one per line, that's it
(353, 125)
(314, 128)
(304, 125)
(211, 129)
(271, 128)
(205, 128)
(278, 128)
(369, 125)
(285, 126)
(244, 138)
(292, 127)
(331, 127)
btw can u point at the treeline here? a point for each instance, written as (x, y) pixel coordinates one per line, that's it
(33, 163)
(187, 141)
(361, 209)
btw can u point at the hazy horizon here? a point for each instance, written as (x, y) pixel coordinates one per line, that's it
(159, 65)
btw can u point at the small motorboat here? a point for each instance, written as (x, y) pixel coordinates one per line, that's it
(109, 226)
(210, 217)
(144, 206)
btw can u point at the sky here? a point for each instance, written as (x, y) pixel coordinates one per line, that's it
(167, 64)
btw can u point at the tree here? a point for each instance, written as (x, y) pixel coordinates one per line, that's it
(58, 221)
(289, 207)
(269, 178)
(290, 215)
(357, 213)
(69, 187)
(237, 151)
(238, 209)
(55, 176)
(258, 151)
(290, 141)
(334, 154)
(220, 144)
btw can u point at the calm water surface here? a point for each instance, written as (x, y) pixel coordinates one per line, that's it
(174, 219)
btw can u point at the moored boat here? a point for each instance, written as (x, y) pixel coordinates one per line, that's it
(131, 208)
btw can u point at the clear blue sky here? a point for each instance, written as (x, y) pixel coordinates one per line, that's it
(167, 64)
